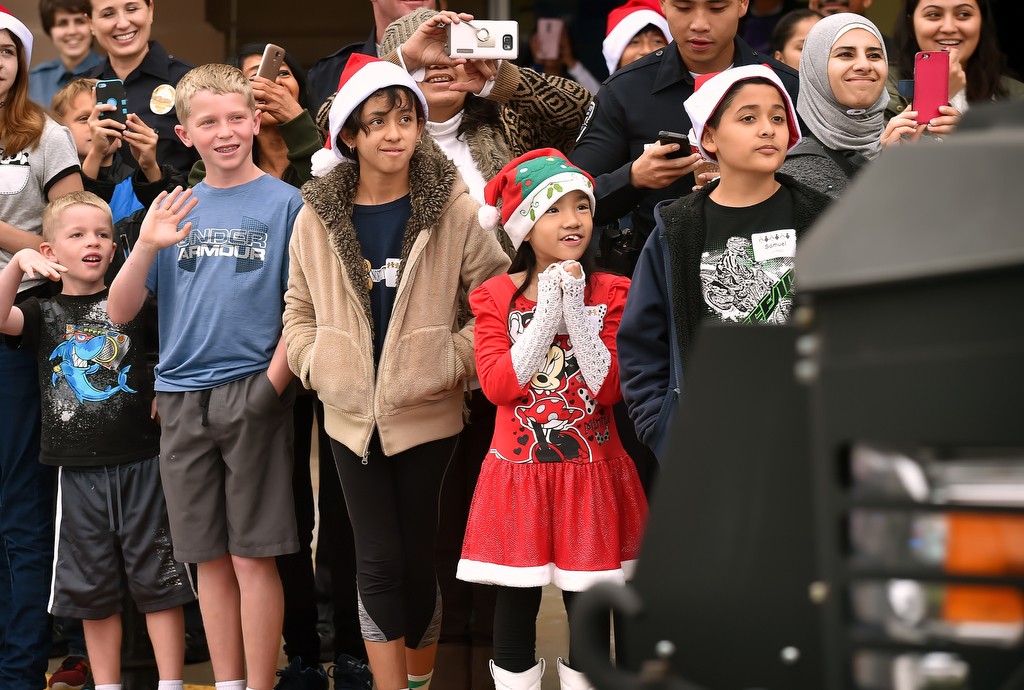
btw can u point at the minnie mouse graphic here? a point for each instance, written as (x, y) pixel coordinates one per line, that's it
(549, 415)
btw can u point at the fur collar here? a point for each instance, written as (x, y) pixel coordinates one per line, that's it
(434, 185)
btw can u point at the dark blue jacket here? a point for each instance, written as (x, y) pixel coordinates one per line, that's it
(650, 364)
(652, 351)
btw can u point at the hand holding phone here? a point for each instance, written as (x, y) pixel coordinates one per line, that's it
(931, 84)
(270, 64)
(111, 92)
(666, 137)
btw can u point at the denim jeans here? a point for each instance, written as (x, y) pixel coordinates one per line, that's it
(26, 528)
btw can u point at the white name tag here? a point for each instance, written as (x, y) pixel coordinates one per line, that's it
(774, 245)
(388, 272)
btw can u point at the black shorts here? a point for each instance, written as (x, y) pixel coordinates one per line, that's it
(112, 530)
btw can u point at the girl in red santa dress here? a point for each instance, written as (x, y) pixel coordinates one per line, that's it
(558, 499)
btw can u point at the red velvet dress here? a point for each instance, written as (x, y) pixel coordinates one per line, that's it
(558, 499)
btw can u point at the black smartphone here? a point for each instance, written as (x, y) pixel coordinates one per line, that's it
(666, 137)
(111, 92)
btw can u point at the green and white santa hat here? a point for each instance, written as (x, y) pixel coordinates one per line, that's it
(527, 187)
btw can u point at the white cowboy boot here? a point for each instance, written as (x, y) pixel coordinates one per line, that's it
(569, 679)
(527, 680)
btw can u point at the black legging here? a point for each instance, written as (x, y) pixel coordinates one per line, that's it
(515, 627)
(393, 503)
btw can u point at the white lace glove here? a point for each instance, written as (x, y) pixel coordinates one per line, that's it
(592, 354)
(530, 349)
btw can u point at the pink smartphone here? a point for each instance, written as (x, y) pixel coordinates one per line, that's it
(931, 83)
(549, 38)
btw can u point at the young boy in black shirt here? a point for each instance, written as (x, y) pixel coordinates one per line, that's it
(725, 252)
(97, 428)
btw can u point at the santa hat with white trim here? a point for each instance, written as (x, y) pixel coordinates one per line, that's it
(15, 26)
(363, 75)
(527, 187)
(710, 90)
(625, 22)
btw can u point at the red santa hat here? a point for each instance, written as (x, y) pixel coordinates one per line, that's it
(363, 75)
(710, 89)
(527, 187)
(625, 22)
(13, 24)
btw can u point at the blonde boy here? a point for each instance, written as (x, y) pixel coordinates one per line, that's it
(216, 258)
(96, 397)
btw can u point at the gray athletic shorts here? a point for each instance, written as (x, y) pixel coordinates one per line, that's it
(112, 531)
(226, 461)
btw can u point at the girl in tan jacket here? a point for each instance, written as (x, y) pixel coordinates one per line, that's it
(386, 243)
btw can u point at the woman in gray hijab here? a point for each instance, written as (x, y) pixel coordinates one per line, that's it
(843, 71)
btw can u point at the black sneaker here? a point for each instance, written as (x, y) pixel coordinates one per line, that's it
(295, 676)
(350, 673)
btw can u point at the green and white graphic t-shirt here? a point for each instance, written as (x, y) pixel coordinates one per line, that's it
(746, 270)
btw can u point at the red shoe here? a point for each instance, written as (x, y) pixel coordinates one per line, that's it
(72, 674)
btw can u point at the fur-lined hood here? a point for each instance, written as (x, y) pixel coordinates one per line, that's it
(434, 184)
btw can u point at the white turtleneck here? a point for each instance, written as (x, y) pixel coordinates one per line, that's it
(457, 150)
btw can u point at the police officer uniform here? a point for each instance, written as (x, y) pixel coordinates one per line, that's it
(633, 105)
(149, 86)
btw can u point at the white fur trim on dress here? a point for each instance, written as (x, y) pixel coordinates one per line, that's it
(541, 575)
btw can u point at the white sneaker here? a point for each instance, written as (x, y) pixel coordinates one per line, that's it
(527, 680)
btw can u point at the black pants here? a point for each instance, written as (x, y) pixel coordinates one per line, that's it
(393, 505)
(515, 627)
(336, 553)
(468, 607)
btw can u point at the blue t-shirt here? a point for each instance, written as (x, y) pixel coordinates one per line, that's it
(221, 290)
(380, 230)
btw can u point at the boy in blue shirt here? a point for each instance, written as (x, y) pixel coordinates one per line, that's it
(96, 395)
(216, 258)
